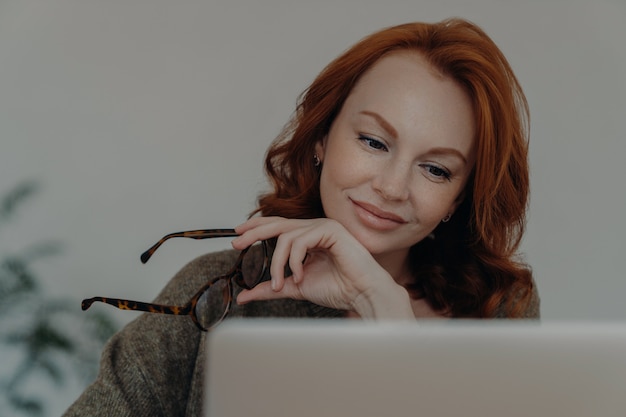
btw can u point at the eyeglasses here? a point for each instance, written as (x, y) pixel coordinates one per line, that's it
(211, 304)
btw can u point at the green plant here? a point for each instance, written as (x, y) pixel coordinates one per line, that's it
(44, 340)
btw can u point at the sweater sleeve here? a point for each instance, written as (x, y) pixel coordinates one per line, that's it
(152, 366)
(532, 311)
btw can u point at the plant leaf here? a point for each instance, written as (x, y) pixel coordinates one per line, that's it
(11, 200)
(28, 405)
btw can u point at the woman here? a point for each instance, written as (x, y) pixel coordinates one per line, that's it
(399, 191)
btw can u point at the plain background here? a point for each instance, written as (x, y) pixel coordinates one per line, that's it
(144, 117)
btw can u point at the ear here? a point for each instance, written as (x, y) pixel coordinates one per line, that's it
(320, 146)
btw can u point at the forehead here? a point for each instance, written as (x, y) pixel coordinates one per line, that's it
(404, 73)
(416, 99)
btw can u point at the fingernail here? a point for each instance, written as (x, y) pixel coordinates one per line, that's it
(239, 300)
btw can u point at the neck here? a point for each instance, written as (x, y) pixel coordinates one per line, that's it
(397, 265)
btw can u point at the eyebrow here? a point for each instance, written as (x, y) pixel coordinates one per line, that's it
(392, 131)
(448, 151)
(382, 122)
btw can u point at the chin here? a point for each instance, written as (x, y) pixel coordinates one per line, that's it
(380, 244)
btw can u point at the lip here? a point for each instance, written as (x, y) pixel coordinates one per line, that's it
(381, 218)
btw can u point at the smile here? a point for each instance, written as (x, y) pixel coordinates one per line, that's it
(376, 218)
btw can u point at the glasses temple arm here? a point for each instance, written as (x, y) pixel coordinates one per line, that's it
(137, 306)
(192, 234)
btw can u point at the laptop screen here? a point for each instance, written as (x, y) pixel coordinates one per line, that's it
(264, 367)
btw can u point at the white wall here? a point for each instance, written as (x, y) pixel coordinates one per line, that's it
(144, 117)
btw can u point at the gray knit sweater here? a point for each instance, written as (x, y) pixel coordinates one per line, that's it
(155, 365)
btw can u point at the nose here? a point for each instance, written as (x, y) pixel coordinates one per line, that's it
(392, 182)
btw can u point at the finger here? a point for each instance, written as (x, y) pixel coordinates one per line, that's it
(255, 229)
(287, 230)
(263, 228)
(297, 258)
(256, 222)
(280, 257)
(263, 292)
(291, 248)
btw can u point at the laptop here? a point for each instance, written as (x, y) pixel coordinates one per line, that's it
(316, 368)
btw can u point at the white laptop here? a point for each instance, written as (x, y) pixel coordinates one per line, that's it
(352, 368)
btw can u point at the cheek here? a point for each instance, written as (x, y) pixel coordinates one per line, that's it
(333, 180)
(432, 202)
(339, 178)
(343, 172)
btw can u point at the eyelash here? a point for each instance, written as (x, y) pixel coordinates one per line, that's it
(434, 170)
(437, 171)
(371, 141)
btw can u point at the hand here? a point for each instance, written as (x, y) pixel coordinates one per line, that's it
(329, 266)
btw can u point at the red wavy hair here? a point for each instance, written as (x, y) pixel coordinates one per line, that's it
(470, 269)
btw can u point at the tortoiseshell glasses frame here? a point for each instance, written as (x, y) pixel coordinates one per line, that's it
(190, 308)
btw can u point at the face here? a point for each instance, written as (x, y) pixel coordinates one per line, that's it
(398, 155)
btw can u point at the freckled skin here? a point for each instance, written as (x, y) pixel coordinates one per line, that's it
(385, 148)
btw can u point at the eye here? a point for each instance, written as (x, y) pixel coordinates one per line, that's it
(437, 172)
(373, 143)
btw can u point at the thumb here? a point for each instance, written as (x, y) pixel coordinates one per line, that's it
(264, 291)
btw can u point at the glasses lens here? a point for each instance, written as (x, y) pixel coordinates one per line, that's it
(254, 264)
(213, 304)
